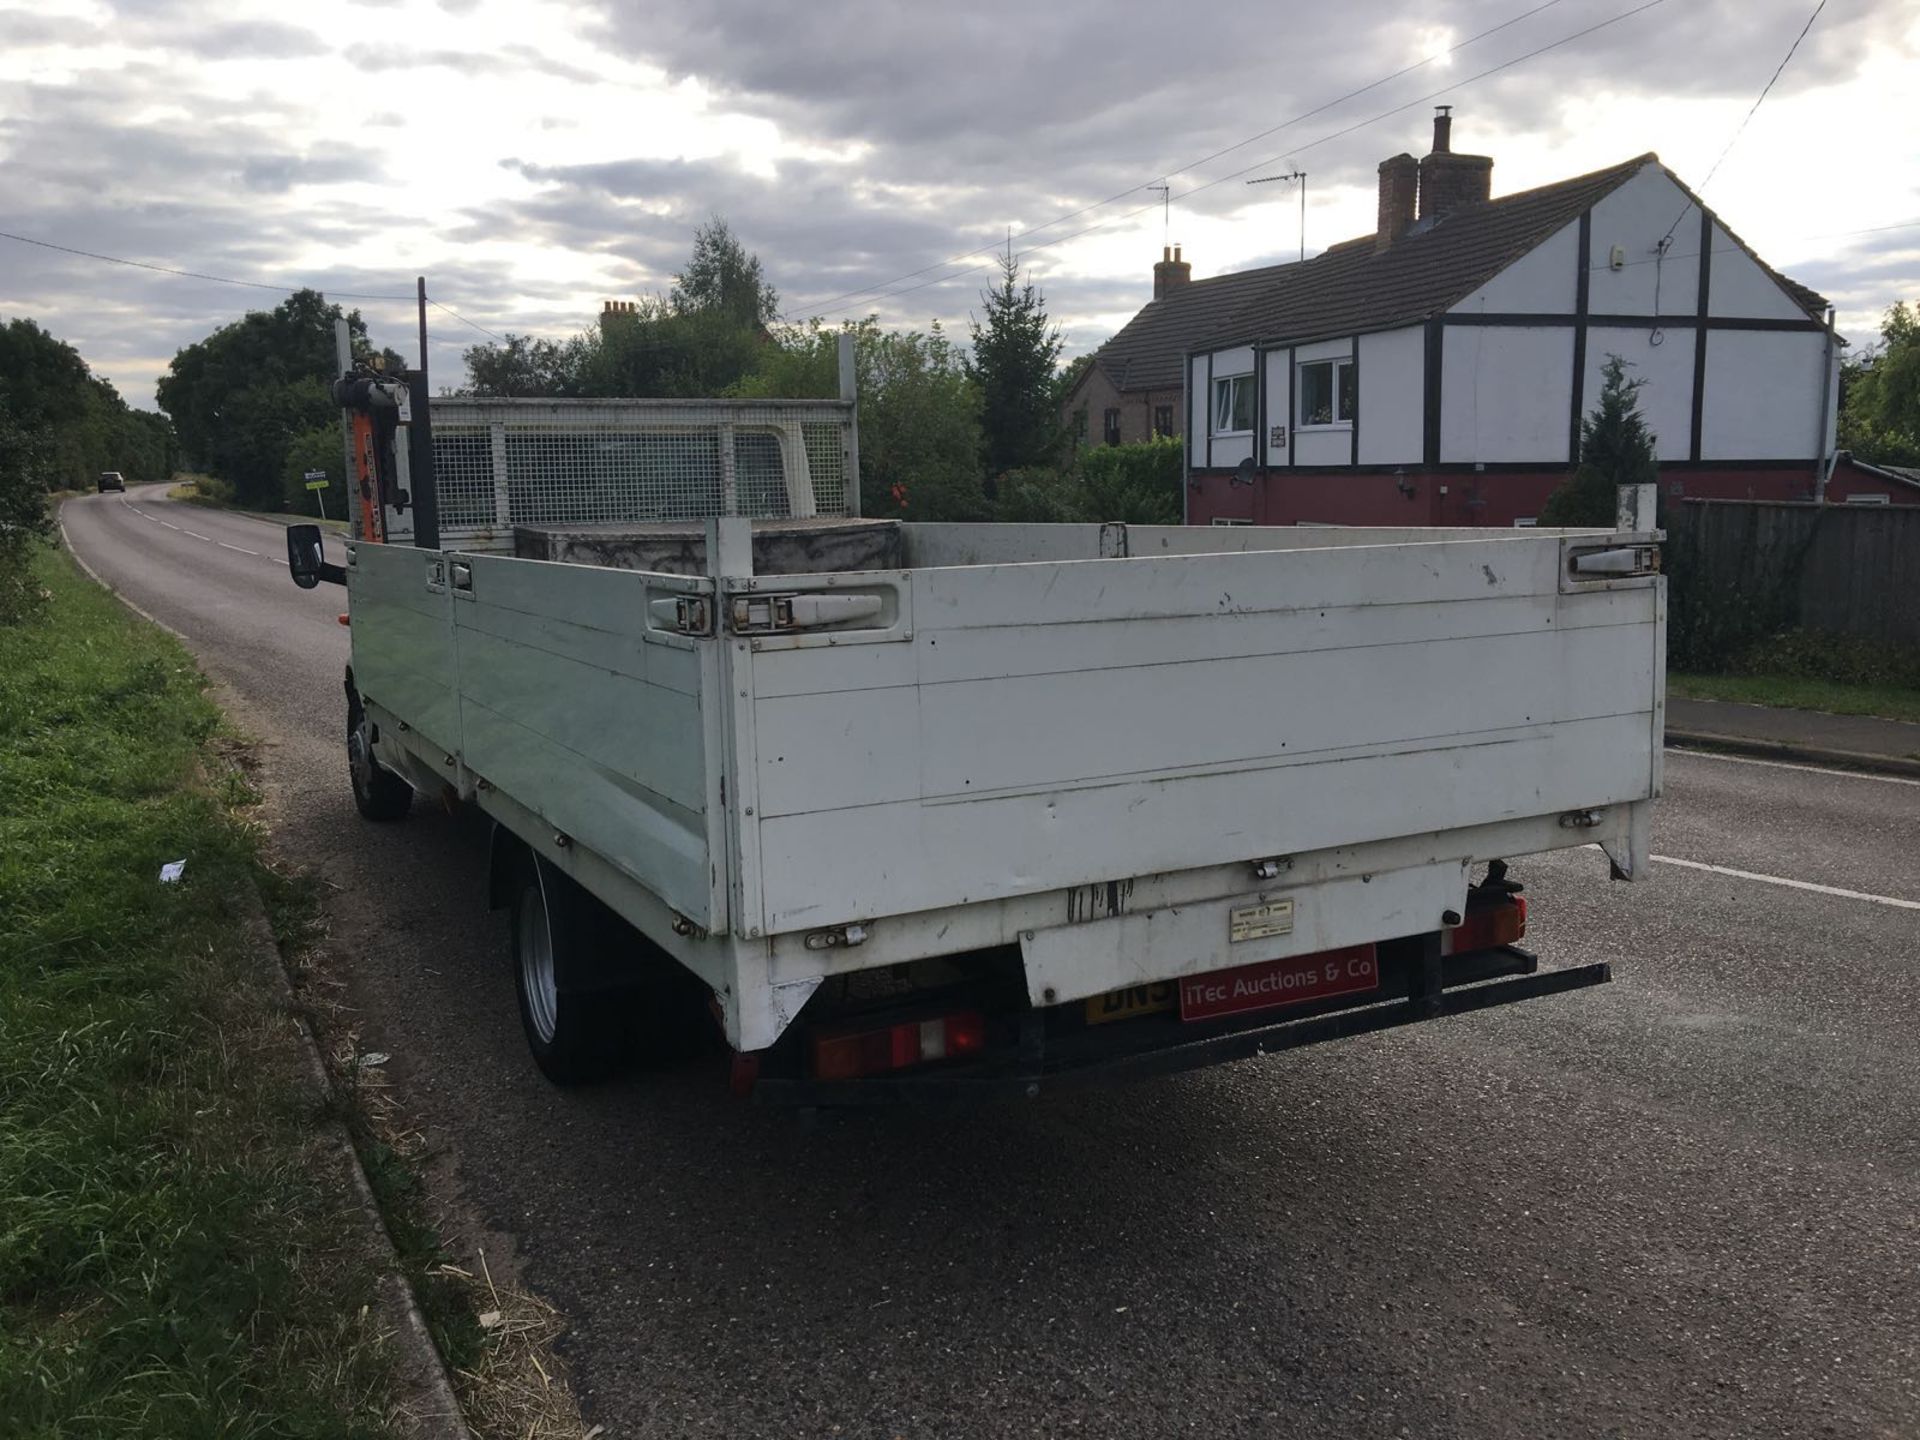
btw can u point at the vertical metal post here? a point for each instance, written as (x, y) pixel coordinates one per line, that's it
(1822, 467)
(850, 392)
(729, 474)
(1634, 507)
(426, 495)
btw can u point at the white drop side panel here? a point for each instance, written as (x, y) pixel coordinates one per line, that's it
(402, 637)
(580, 706)
(1057, 724)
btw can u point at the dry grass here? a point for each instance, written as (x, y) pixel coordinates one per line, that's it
(498, 1338)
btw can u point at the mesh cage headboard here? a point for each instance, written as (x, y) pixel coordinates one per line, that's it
(501, 463)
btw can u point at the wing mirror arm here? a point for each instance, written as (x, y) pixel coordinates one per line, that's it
(307, 558)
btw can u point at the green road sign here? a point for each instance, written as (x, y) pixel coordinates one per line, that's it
(316, 484)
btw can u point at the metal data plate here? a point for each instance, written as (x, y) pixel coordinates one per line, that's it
(1257, 922)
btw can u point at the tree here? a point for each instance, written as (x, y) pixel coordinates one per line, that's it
(658, 351)
(1136, 484)
(239, 397)
(26, 471)
(706, 337)
(526, 368)
(919, 413)
(80, 419)
(320, 448)
(1880, 411)
(724, 277)
(1015, 353)
(1616, 449)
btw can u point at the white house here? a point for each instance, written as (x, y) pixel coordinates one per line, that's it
(1436, 371)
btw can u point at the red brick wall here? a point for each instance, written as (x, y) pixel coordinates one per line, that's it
(1452, 497)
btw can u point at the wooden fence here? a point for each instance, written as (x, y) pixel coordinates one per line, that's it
(1742, 568)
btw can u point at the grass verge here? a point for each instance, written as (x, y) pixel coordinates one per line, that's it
(1891, 702)
(216, 495)
(176, 1255)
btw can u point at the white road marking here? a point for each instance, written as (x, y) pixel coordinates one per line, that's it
(1790, 884)
(198, 536)
(168, 523)
(225, 546)
(1784, 765)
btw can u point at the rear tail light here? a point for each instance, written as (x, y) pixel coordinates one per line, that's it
(847, 1055)
(1493, 925)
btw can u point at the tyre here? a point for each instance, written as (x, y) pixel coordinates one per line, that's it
(595, 997)
(378, 793)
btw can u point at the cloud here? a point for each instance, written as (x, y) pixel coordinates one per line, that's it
(535, 156)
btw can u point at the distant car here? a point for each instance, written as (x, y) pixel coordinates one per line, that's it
(112, 480)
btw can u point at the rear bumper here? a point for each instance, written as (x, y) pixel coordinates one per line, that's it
(1139, 1050)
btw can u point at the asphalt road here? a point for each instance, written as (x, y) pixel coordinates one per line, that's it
(1684, 1204)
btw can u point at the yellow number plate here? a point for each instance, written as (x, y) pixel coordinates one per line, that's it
(1134, 1001)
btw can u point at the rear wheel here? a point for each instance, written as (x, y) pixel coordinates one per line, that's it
(378, 793)
(595, 996)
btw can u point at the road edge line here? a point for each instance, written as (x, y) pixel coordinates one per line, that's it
(1788, 750)
(66, 543)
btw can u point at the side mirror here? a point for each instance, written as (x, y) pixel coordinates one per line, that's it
(307, 558)
(306, 555)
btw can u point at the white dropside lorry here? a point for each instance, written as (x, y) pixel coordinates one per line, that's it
(927, 811)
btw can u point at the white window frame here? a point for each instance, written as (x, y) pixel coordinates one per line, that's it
(1339, 421)
(1225, 386)
(1224, 520)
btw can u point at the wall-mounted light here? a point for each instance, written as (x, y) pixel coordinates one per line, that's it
(1400, 482)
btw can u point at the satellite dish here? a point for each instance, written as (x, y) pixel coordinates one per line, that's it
(1243, 473)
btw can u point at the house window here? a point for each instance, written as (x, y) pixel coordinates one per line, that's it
(1327, 393)
(1163, 419)
(1080, 426)
(1111, 427)
(1233, 405)
(1228, 520)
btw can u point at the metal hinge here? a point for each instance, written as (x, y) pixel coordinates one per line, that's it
(684, 614)
(775, 614)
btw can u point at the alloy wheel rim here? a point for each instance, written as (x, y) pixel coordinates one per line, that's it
(536, 965)
(360, 757)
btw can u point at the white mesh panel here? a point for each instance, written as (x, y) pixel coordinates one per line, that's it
(574, 462)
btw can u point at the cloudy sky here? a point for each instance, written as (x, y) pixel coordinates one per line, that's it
(534, 157)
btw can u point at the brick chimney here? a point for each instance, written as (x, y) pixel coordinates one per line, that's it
(1450, 182)
(1170, 272)
(615, 310)
(1399, 188)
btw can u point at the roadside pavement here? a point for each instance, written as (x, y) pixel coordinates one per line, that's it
(1856, 742)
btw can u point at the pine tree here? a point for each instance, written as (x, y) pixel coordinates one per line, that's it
(1616, 449)
(1015, 353)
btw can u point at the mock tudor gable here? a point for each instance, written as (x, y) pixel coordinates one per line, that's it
(1437, 370)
